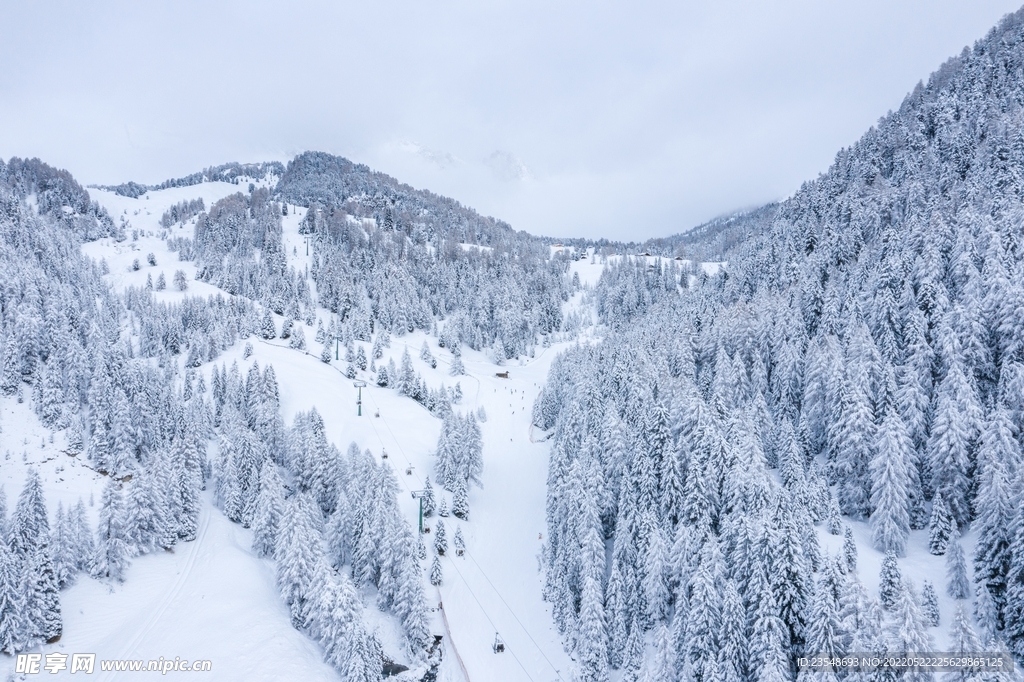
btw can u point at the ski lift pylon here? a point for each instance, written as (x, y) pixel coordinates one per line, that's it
(499, 644)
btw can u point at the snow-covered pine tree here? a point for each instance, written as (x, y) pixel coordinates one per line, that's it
(963, 642)
(1013, 612)
(270, 506)
(112, 548)
(997, 457)
(856, 430)
(83, 536)
(29, 538)
(940, 526)
(704, 616)
(427, 498)
(29, 526)
(42, 614)
(62, 536)
(456, 368)
(732, 640)
(436, 577)
(824, 634)
(298, 553)
(890, 584)
(929, 604)
(890, 485)
(12, 606)
(950, 443)
(907, 631)
(849, 549)
(460, 500)
(958, 585)
(440, 538)
(459, 542)
(268, 329)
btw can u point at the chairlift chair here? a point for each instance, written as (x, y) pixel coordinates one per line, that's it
(499, 644)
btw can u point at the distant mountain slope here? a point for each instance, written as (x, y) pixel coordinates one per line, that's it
(319, 179)
(228, 172)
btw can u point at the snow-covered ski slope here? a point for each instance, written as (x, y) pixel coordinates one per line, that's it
(214, 599)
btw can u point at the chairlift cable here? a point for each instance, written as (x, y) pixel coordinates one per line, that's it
(488, 617)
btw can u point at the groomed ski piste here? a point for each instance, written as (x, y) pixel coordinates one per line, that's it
(214, 599)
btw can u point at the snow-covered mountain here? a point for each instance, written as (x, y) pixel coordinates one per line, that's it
(300, 421)
(857, 368)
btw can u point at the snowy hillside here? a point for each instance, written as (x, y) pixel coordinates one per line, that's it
(817, 450)
(202, 597)
(306, 422)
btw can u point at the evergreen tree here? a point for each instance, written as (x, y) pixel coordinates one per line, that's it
(460, 500)
(704, 617)
(427, 498)
(42, 596)
(456, 368)
(929, 605)
(940, 527)
(592, 647)
(440, 538)
(849, 549)
(907, 631)
(856, 436)
(824, 628)
(298, 553)
(1013, 612)
(83, 537)
(655, 569)
(459, 541)
(732, 638)
(834, 516)
(112, 549)
(951, 439)
(270, 507)
(997, 457)
(958, 585)
(29, 526)
(890, 586)
(963, 642)
(435, 571)
(11, 602)
(61, 540)
(268, 329)
(890, 487)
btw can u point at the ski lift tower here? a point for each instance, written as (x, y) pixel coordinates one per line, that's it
(360, 385)
(418, 495)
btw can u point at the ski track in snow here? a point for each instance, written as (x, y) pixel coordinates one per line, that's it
(170, 595)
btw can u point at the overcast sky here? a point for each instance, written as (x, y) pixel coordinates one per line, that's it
(603, 119)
